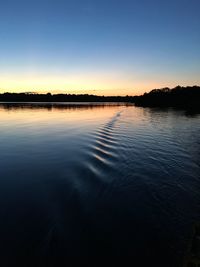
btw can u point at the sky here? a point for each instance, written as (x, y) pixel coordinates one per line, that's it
(103, 47)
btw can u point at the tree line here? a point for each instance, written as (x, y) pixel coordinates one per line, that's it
(180, 97)
(34, 97)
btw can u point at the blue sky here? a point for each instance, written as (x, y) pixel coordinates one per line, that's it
(103, 47)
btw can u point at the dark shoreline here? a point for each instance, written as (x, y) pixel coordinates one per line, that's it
(179, 97)
(185, 98)
(31, 97)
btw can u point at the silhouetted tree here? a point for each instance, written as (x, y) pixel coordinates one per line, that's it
(182, 97)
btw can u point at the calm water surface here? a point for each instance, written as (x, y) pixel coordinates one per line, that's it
(97, 185)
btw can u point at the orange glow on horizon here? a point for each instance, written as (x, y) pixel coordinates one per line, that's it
(73, 85)
(80, 84)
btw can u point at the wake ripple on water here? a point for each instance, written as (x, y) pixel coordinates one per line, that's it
(90, 177)
(104, 150)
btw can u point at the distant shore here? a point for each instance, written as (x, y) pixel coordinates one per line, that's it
(178, 97)
(30, 97)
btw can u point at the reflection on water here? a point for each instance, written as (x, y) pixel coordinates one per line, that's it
(97, 185)
(52, 105)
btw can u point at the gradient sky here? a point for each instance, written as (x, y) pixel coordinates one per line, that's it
(107, 47)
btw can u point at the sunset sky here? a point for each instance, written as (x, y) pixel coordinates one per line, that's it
(104, 47)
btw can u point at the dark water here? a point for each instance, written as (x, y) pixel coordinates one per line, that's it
(105, 185)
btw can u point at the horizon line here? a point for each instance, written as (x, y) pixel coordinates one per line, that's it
(66, 93)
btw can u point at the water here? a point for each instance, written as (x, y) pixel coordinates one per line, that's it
(97, 185)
